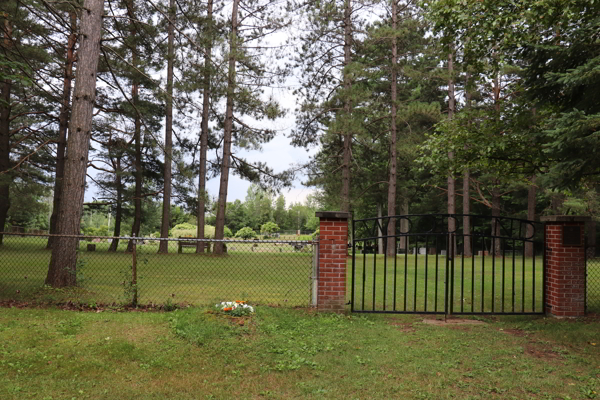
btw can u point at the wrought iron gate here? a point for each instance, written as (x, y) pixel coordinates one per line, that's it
(495, 267)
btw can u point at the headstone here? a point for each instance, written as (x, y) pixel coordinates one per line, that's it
(91, 247)
(422, 250)
(442, 252)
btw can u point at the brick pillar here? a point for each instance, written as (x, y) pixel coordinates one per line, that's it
(333, 254)
(565, 265)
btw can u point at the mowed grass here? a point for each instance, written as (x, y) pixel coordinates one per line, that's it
(422, 283)
(266, 272)
(283, 353)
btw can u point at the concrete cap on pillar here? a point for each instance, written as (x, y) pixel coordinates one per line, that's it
(333, 214)
(565, 218)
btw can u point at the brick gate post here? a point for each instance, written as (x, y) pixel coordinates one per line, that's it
(565, 265)
(333, 254)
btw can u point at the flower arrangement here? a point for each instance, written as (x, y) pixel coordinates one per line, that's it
(236, 308)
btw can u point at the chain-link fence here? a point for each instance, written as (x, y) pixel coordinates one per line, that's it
(592, 289)
(261, 271)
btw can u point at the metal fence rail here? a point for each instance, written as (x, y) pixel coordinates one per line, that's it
(265, 271)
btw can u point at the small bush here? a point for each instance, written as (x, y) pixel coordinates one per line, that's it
(245, 233)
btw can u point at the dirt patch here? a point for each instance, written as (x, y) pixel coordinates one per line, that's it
(453, 322)
(403, 326)
(514, 332)
(541, 352)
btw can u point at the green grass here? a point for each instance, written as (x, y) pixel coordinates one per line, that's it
(283, 353)
(263, 273)
(484, 284)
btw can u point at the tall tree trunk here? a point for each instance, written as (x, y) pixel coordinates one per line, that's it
(220, 222)
(531, 193)
(391, 196)
(63, 262)
(164, 227)
(557, 200)
(347, 135)
(118, 206)
(5, 110)
(379, 232)
(451, 179)
(63, 125)
(137, 197)
(467, 244)
(202, 195)
(404, 225)
(497, 243)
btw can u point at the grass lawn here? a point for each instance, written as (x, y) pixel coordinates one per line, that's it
(418, 283)
(266, 272)
(284, 353)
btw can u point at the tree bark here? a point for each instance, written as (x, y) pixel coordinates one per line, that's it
(63, 125)
(497, 243)
(119, 205)
(531, 193)
(347, 135)
(467, 248)
(137, 197)
(202, 195)
(166, 213)
(467, 244)
(220, 222)
(379, 232)
(451, 179)
(5, 110)
(391, 195)
(63, 263)
(404, 225)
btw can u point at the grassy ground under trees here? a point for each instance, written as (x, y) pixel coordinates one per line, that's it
(284, 353)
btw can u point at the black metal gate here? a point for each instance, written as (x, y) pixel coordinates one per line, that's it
(496, 266)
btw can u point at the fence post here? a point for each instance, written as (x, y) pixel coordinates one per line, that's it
(332, 264)
(565, 281)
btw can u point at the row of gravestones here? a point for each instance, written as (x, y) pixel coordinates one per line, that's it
(20, 229)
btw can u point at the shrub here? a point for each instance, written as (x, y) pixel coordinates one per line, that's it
(227, 233)
(189, 230)
(268, 228)
(245, 233)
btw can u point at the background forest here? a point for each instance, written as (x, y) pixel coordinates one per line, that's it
(441, 106)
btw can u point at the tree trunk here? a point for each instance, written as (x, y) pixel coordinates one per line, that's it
(557, 200)
(202, 195)
(220, 222)
(5, 110)
(379, 232)
(391, 195)
(137, 198)
(119, 206)
(467, 248)
(63, 125)
(63, 263)
(451, 179)
(164, 226)
(345, 206)
(531, 217)
(467, 239)
(497, 243)
(404, 225)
